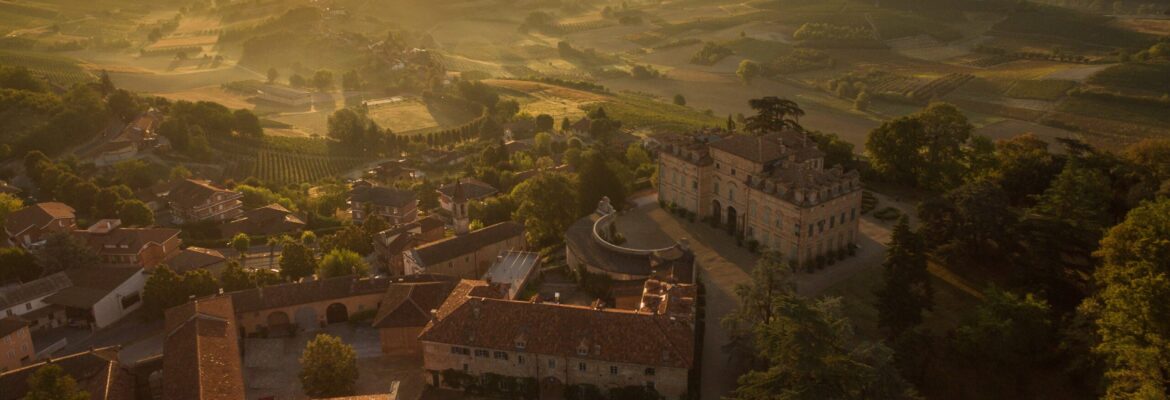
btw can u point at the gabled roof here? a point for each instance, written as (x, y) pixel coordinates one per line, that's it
(456, 246)
(96, 371)
(612, 335)
(91, 284)
(201, 354)
(26, 292)
(127, 240)
(189, 193)
(382, 196)
(289, 294)
(267, 220)
(36, 216)
(9, 325)
(194, 258)
(471, 188)
(410, 304)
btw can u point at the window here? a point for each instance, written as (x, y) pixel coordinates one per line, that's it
(694, 184)
(581, 367)
(731, 194)
(613, 370)
(853, 213)
(460, 350)
(716, 165)
(716, 188)
(552, 364)
(832, 221)
(131, 300)
(520, 343)
(842, 217)
(481, 353)
(501, 355)
(519, 359)
(733, 172)
(465, 368)
(649, 371)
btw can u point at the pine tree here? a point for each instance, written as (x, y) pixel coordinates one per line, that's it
(906, 291)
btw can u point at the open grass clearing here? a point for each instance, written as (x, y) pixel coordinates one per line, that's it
(1043, 89)
(403, 116)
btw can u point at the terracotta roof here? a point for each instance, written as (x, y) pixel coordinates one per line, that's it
(91, 284)
(410, 304)
(382, 196)
(268, 220)
(12, 324)
(194, 258)
(26, 292)
(289, 294)
(201, 355)
(38, 215)
(127, 240)
(562, 330)
(96, 371)
(456, 246)
(189, 193)
(473, 189)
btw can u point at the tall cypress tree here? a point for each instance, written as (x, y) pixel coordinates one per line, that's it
(906, 292)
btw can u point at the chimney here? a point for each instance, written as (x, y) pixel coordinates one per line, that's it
(434, 314)
(557, 297)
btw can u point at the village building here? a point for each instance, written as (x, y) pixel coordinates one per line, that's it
(512, 271)
(285, 96)
(100, 296)
(193, 258)
(201, 351)
(272, 219)
(475, 333)
(392, 171)
(405, 309)
(193, 200)
(16, 345)
(27, 300)
(393, 205)
(466, 189)
(773, 189)
(467, 255)
(391, 244)
(135, 137)
(30, 226)
(140, 247)
(96, 371)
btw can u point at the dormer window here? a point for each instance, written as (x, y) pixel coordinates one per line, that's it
(582, 350)
(521, 343)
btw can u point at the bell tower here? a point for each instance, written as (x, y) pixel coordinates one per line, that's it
(459, 216)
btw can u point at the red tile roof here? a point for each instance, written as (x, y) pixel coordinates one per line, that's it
(569, 331)
(410, 304)
(456, 246)
(201, 355)
(189, 193)
(96, 371)
(36, 216)
(127, 241)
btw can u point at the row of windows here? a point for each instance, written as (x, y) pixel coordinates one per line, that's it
(552, 362)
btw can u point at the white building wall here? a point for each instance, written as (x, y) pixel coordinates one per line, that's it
(109, 309)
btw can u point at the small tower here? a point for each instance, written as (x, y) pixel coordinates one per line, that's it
(459, 209)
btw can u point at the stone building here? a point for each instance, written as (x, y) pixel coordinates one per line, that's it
(476, 333)
(394, 205)
(467, 255)
(391, 244)
(404, 312)
(773, 189)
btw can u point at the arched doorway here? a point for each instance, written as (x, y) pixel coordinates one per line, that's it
(716, 211)
(278, 324)
(731, 219)
(307, 318)
(336, 312)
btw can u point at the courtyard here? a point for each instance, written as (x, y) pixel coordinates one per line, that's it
(271, 365)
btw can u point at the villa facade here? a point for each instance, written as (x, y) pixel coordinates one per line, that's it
(773, 189)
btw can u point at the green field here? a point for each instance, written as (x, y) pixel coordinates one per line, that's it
(287, 160)
(1143, 77)
(1045, 89)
